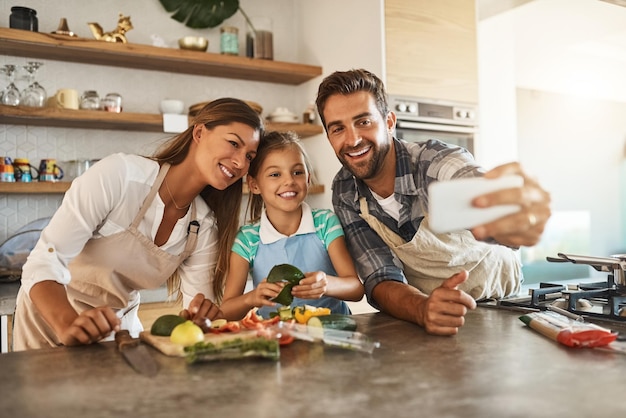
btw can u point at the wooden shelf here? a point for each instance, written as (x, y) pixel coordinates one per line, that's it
(62, 186)
(90, 51)
(127, 121)
(35, 187)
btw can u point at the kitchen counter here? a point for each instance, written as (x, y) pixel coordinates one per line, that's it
(495, 367)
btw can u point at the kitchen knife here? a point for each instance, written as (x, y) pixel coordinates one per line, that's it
(135, 354)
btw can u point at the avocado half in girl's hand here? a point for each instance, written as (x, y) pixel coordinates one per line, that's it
(285, 273)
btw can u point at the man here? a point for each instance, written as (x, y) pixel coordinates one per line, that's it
(380, 196)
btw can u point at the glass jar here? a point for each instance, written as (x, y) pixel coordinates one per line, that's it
(229, 40)
(23, 18)
(112, 102)
(259, 38)
(90, 100)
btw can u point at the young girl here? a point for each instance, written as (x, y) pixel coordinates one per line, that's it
(132, 223)
(288, 231)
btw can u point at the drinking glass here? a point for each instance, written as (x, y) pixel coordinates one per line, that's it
(11, 94)
(34, 95)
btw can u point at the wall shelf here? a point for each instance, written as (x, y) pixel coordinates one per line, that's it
(62, 186)
(127, 121)
(146, 57)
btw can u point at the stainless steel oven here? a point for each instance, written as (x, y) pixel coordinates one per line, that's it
(420, 119)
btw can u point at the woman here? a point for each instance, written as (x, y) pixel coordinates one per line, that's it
(132, 223)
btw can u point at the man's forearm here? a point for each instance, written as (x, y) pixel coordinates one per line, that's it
(400, 300)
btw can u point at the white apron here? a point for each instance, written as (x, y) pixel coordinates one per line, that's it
(429, 259)
(109, 271)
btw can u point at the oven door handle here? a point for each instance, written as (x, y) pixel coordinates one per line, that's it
(436, 127)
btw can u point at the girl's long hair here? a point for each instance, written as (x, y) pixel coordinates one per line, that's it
(226, 204)
(270, 142)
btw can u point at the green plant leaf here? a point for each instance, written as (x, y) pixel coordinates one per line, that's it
(200, 14)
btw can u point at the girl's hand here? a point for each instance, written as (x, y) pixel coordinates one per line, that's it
(262, 294)
(90, 326)
(200, 308)
(313, 286)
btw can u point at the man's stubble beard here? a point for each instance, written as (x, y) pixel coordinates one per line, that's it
(371, 167)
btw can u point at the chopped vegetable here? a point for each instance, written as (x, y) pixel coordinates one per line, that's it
(302, 314)
(234, 349)
(284, 313)
(333, 321)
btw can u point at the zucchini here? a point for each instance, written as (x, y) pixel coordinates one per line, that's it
(333, 321)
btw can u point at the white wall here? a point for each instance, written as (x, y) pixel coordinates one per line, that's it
(339, 35)
(552, 95)
(305, 32)
(576, 146)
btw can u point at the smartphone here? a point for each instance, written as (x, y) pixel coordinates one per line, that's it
(450, 202)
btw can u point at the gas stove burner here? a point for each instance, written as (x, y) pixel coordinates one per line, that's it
(601, 300)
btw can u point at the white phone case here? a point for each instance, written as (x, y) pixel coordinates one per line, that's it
(450, 207)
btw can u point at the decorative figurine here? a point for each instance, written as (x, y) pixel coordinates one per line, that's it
(117, 35)
(64, 29)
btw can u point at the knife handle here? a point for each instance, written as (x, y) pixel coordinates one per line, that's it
(123, 339)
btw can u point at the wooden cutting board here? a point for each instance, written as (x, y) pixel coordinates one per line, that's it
(165, 346)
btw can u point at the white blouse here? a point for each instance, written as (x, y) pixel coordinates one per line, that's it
(104, 201)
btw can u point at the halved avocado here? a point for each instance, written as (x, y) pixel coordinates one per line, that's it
(165, 324)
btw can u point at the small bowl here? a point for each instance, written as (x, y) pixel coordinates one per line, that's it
(193, 43)
(172, 106)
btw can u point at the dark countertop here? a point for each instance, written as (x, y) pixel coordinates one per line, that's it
(495, 367)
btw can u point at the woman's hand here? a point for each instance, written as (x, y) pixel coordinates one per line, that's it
(90, 326)
(313, 286)
(200, 308)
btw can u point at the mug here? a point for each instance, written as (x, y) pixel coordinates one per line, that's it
(23, 170)
(7, 173)
(49, 170)
(67, 98)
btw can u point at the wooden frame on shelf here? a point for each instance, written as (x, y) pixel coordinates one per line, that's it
(127, 121)
(90, 51)
(58, 187)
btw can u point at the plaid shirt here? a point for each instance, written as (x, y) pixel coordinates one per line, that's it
(417, 165)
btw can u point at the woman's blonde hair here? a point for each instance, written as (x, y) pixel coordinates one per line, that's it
(226, 204)
(270, 142)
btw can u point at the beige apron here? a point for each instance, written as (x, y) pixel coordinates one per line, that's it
(109, 271)
(429, 259)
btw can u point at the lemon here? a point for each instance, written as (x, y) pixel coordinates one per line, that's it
(165, 324)
(187, 334)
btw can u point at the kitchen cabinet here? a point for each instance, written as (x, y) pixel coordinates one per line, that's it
(80, 50)
(431, 49)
